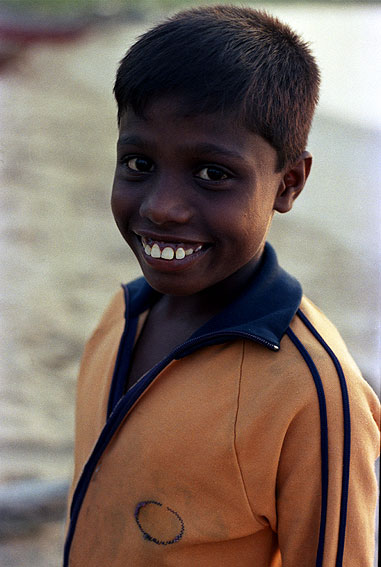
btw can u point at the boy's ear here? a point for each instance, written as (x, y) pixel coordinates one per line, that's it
(292, 183)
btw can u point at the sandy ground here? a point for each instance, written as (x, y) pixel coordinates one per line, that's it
(62, 257)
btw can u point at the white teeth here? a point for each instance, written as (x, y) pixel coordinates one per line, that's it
(155, 251)
(180, 254)
(168, 253)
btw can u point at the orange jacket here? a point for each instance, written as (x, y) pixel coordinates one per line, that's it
(232, 451)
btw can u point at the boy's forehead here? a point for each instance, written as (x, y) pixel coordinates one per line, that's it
(178, 108)
(168, 121)
(176, 111)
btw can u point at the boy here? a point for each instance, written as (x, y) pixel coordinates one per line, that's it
(220, 419)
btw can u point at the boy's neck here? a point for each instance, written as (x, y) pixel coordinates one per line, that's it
(198, 308)
(174, 319)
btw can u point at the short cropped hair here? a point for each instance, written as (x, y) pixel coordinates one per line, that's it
(228, 59)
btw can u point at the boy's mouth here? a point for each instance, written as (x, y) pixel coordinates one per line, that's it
(169, 250)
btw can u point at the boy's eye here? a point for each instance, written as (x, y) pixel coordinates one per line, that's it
(211, 173)
(139, 164)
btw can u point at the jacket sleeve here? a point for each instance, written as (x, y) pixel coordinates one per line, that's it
(308, 531)
(285, 482)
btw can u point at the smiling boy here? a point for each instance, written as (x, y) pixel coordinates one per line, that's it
(220, 419)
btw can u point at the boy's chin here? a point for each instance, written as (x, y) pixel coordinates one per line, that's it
(178, 277)
(174, 285)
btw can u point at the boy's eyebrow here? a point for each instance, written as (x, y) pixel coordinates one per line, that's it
(206, 147)
(132, 140)
(213, 149)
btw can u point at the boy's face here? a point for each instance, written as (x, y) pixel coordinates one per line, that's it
(192, 196)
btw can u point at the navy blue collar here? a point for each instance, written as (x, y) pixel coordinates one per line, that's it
(262, 311)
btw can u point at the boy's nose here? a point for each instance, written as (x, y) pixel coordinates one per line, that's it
(166, 203)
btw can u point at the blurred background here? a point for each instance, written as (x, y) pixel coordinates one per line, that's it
(62, 257)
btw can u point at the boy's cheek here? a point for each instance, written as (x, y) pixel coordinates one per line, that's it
(120, 211)
(121, 201)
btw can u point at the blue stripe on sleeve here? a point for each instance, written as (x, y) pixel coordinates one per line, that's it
(323, 442)
(347, 439)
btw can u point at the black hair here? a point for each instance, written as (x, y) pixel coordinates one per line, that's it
(227, 59)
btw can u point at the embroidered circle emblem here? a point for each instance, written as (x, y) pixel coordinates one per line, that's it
(159, 524)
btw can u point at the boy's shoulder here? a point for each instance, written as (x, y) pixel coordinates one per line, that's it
(329, 353)
(312, 358)
(113, 314)
(312, 368)
(311, 343)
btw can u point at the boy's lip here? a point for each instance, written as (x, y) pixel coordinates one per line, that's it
(170, 239)
(169, 252)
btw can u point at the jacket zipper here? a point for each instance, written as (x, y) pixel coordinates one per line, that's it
(222, 335)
